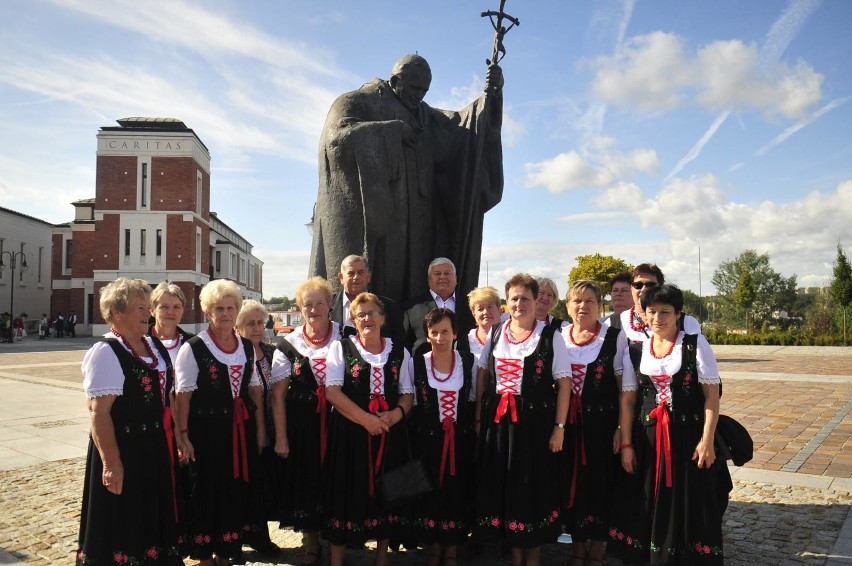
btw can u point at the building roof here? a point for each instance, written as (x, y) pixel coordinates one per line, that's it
(146, 124)
(27, 216)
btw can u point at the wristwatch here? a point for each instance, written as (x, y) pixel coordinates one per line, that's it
(559, 425)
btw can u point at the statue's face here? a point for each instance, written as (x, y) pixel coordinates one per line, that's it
(411, 86)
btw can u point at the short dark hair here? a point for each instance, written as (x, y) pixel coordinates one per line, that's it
(523, 280)
(621, 277)
(666, 294)
(435, 316)
(649, 269)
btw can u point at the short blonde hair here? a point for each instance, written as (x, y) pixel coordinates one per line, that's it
(315, 283)
(365, 298)
(579, 287)
(250, 306)
(115, 296)
(167, 288)
(217, 291)
(485, 295)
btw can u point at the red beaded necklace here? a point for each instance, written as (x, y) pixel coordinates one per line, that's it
(322, 340)
(218, 345)
(667, 354)
(154, 360)
(587, 342)
(636, 327)
(481, 342)
(358, 337)
(177, 339)
(435, 375)
(516, 342)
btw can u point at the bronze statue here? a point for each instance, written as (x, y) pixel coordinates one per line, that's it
(402, 183)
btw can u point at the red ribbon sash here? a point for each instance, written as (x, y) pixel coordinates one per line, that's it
(661, 413)
(240, 446)
(322, 405)
(377, 403)
(449, 447)
(170, 442)
(507, 403)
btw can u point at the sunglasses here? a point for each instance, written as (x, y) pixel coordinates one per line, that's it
(638, 285)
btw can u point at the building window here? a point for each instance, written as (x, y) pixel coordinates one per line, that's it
(198, 193)
(142, 242)
(40, 254)
(144, 196)
(68, 250)
(159, 242)
(218, 261)
(126, 242)
(233, 271)
(198, 249)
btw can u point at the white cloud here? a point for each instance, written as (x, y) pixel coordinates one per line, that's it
(600, 165)
(283, 270)
(657, 72)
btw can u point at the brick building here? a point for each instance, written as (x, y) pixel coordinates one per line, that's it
(150, 219)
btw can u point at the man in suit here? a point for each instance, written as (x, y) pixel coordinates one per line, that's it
(355, 276)
(442, 293)
(71, 324)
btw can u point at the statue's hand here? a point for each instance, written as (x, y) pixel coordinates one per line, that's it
(493, 78)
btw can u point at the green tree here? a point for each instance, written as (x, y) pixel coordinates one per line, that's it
(841, 285)
(772, 292)
(598, 268)
(744, 293)
(691, 303)
(560, 310)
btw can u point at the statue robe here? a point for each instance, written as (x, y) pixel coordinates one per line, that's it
(403, 206)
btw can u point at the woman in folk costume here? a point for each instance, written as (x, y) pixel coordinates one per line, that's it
(522, 403)
(217, 391)
(301, 412)
(674, 516)
(443, 436)
(370, 386)
(596, 354)
(130, 510)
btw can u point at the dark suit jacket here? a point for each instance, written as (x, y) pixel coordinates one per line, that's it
(415, 312)
(392, 328)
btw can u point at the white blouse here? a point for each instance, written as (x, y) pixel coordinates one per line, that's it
(475, 346)
(186, 368)
(708, 370)
(337, 365)
(447, 385)
(516, 352)
(587, 353)
(281, 366)
(102, 374)
(629, 318)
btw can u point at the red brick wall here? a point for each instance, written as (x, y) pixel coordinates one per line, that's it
(104, 241)
(173, 180)
(57, 255)
(115, 182)
(85, 251)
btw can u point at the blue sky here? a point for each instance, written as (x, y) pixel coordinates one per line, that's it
(643, 130)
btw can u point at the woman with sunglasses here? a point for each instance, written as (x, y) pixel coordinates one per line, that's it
(369, 383)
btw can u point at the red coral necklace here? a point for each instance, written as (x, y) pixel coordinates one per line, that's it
(154, 360)
(218, 345)
(667, 354)
(322, 340)
(587, 342)
(432, 367)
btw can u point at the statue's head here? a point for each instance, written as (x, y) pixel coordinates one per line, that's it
(410, 80)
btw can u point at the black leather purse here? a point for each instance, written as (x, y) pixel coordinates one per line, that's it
(405, 483)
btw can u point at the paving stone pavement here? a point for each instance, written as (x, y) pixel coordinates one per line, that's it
(795, 402)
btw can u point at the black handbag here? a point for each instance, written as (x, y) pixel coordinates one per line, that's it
(405, 483)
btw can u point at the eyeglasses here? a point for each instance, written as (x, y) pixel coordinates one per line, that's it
(362, 316)
(638, 285)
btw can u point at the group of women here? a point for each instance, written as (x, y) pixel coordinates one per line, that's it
(530, 426)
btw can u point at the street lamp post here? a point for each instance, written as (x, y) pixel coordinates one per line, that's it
(13, 257)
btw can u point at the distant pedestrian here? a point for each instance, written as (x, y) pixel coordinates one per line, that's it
(71, 324)
(18, 327)
(59, 325)
(270, 329)
(43, 327)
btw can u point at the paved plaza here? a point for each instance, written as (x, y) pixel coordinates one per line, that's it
(790, 505)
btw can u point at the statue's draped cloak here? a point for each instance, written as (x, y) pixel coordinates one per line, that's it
(403, 206)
